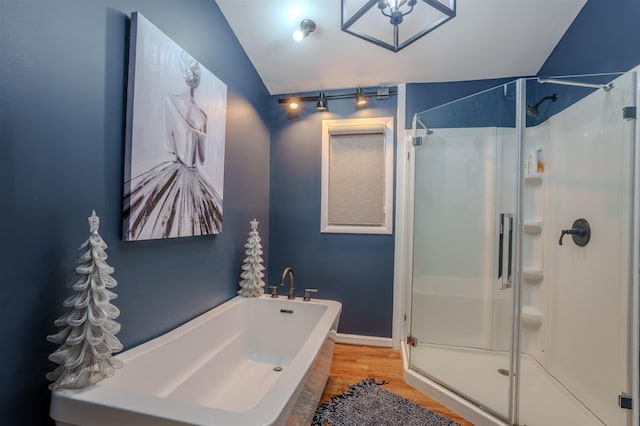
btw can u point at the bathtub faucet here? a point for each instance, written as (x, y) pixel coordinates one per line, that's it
(288, 271)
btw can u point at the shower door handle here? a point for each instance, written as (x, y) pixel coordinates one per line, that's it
(505, 250)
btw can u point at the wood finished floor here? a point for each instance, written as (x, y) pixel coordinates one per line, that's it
(352, 363)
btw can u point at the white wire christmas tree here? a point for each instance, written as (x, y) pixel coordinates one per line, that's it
(87, 339)
(252, 283)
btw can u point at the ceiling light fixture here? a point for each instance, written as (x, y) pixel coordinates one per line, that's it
(366, 21)
(307, 26)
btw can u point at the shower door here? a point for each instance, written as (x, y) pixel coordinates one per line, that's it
(513, 306)
(463, 245)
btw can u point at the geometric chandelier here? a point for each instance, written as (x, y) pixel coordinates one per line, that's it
(394, 24)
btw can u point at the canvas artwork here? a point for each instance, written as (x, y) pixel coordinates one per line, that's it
(174, 159)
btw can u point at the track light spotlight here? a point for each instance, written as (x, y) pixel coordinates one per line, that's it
(294, 104)
(307, 26)
(361, 99)
(322, 102)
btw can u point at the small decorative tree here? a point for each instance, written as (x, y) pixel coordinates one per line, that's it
(87, 339)
(252, 283)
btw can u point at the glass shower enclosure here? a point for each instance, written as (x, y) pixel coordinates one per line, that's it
(523, 251)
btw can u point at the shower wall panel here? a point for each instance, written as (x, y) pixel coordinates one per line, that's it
(588, 175)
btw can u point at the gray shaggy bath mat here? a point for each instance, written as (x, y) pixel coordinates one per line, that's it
(367, 404)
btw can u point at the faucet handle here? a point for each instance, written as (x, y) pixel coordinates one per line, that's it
(274, 290)
(307, 293)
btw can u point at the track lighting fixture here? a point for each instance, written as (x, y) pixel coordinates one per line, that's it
(294, 103)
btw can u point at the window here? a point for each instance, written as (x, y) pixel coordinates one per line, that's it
(357, 176)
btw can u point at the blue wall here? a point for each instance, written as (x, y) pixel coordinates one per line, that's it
(62, 95)
(600, 40)
(495, 107)
(356, 270)
(423, 96)
(603, 38)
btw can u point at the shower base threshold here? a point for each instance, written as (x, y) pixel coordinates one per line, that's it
(479, 375)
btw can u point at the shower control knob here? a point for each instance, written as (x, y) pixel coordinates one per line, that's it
(580, 232)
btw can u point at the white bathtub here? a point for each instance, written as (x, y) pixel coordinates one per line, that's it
(218, 369)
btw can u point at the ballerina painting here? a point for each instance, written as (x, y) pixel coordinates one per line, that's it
(175, 141)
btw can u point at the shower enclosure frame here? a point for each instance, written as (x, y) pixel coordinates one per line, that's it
(403, 265)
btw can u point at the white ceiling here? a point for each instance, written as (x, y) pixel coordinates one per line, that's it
(486, 39)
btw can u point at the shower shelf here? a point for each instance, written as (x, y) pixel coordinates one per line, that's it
(531, 315)
(533, 179)
(532, 275)
(533, 227)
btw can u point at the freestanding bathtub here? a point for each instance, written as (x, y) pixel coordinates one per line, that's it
(249, 361)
